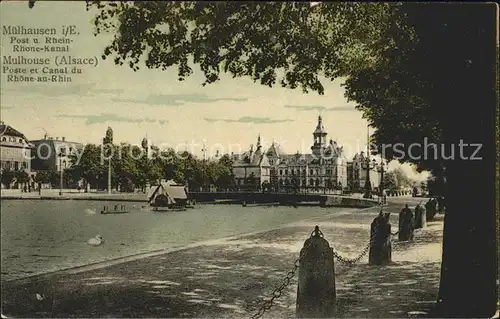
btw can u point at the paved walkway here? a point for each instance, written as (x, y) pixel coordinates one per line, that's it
(230, 278)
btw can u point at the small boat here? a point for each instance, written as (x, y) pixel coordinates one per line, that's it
(168, 209)
(116, 210)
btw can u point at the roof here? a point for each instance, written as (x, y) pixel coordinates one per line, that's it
(9, 130)
(169, 189)
(274, 150)
(320, 129)
(250, 158)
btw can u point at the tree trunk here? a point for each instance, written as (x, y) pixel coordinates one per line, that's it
(469, 263)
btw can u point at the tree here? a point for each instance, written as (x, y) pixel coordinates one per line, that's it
(47, 177)
(89, 167)
(390, 181)
(426, 81)
(108, 138)
(409, 67)
(7, 178)
(253, 39)
(21, 177)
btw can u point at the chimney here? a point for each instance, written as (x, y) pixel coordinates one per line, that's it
(63, 138)
(57, 138)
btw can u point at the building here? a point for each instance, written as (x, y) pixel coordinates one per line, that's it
(54, 154)
(167, 194)
(324, 168)
(15, 149)
(251, 169)
(357, 172)
(15, 154)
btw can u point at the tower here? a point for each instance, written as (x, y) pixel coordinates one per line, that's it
(319, 135)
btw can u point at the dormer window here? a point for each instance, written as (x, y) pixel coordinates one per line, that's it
(21, 140)
(4, 139)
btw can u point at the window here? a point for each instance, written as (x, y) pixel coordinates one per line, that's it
(24, 165)
(304, 172)
(281, 172)
(286, 172)
(63, 151)
(4, 139)
(311, 172)
(70, 150)
(16, 166)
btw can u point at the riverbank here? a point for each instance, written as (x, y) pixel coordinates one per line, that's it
(245, 199)
(229, 278)
(53, 194)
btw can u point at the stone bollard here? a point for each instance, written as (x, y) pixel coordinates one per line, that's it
(316, 287)
(420, 217)
(431, 209)
(244, 204)
(405, 224)
(380, 240)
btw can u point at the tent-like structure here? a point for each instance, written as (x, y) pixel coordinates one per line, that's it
(167, 194)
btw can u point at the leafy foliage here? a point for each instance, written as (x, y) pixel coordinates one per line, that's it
(270, 42)
(7, 177)
(133, 167)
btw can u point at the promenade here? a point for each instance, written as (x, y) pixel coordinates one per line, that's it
(231, 277)
(53, 194)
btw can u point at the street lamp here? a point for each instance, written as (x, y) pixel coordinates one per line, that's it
(368, 166)
(60, 173)
(382, 171)
(204, 150)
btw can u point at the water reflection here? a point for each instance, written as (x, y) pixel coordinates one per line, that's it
(42, 236)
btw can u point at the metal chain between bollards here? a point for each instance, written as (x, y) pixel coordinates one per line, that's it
(286, 282)
(352, 261)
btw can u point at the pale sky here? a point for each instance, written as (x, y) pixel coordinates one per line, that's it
(153, 103)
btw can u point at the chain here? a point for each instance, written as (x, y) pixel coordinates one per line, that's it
(286, 281)
(267, 304)
(352, 261)
(363, 253)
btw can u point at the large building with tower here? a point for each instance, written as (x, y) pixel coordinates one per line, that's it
(324, 168)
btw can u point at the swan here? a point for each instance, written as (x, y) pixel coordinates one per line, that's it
(39, 297)
(3, 317)
(90, 211)
(96, 241)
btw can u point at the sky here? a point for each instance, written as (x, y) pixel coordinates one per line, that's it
(225, 116)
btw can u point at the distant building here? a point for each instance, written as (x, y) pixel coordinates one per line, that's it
(53, 154)
(15, 149)
(325, 167)
(251, 169)
(357, 172)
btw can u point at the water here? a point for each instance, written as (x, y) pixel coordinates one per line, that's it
(43, 236)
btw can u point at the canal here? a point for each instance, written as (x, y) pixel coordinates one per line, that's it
(40, 236)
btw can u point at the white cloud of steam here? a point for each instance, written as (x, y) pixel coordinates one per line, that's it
(410, 171)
